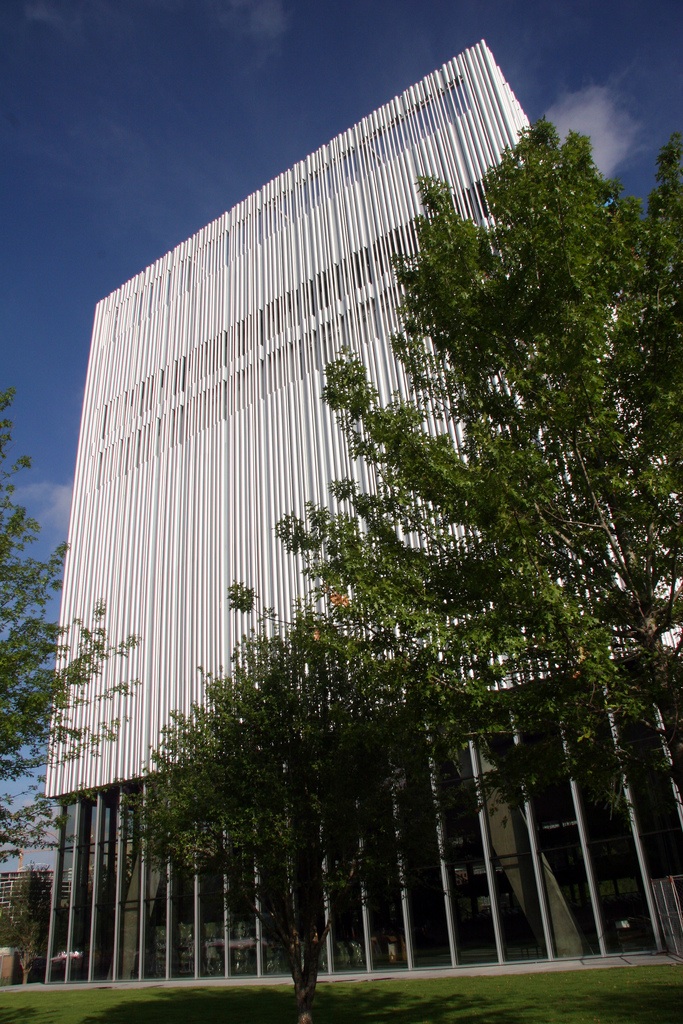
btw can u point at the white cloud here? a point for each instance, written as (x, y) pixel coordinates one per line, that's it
(265, 20)
(596, 111)
(65, 17)
(43, 10)
(50, 504)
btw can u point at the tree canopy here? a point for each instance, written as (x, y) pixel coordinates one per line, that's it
(302, 777)
(523, 548)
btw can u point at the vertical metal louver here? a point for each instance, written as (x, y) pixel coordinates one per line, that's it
(203, 422)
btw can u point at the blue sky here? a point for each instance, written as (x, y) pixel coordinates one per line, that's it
(126, 125)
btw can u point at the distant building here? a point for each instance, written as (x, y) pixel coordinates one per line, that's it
(8, 880)
(10, 966)
(202, 426)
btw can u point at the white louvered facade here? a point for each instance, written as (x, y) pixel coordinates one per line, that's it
(203, 422)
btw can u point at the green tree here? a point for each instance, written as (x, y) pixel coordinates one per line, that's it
(27, 644)
(25, 922)
(523, 549)
(35, 697)
(303, 776)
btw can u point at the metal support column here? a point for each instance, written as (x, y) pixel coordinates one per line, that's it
(447, 895)
(529, 819)
(197, 929)
(593, 887)
(118, 891)
(99, 814)
(56, 889)
(488, 854)
(75, 867)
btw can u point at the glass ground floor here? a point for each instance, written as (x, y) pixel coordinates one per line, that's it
(558, 877)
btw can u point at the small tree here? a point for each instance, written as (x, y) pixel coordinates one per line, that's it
(34, 696)
(27, 644)
(525, 538)
(304, 775)
(24, 924)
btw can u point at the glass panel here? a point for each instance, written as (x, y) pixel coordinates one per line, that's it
(651, 790)
(348, 938)
(556, 818)
(655, 804)
(63, 879)
(212, 926)
(80, 953)
(470, 897)
(658, 820)
(66, 859)
(155, 925)
(519, 902)
(564, 873)
(387, 937)
(274, 959)
(59, 957)
(605, 821)
(665, 853)
(520, 907)
(70, 825)
(242, 944)
(569, 903)
(182, 918)
(103, 957)
(129, 937)
(130, 868)
(103, 944)
(475, 936)
(107, 881)
(627, 923)
(460, 813)
(428, 922)
(83, 894)
(130, 930)
(66, 878)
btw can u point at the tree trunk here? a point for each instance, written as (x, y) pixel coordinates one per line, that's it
(305, 977)
(304, 1004)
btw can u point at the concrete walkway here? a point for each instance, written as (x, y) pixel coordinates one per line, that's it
(521, 967)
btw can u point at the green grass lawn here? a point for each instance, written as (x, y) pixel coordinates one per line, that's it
(626, 995)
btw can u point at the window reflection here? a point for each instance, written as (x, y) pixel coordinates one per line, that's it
(475, 935)
(212, 926)
(242, 943)
(348, 939)
(155, 924)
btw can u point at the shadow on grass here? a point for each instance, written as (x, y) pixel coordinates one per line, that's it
(15, 1014)
(642, 996)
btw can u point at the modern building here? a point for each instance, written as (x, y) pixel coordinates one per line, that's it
(202, 426)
